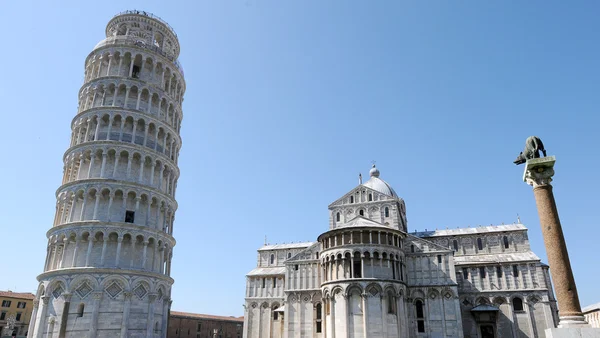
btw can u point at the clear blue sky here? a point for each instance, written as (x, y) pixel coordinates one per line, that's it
(287, 101)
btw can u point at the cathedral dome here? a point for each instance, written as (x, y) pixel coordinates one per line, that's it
(378, 184)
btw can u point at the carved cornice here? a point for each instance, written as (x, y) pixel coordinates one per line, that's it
(539, 171)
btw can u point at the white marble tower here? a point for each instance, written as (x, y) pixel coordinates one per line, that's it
(110, 248)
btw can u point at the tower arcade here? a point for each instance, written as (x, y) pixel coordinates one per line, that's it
(108, 263)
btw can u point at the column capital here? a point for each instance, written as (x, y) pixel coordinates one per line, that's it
(539, 171)
(36, 303)
(45, 299)
(66, 297)
(97, 295)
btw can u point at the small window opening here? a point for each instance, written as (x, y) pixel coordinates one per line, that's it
(361, 212)
(499, 271)
(517, 304)
(482, 272)
(351, 199)
(135, 72)
(289, 255)
(439, 257)
(275, 315)
(272, 258)
(387, 212)
(412, 248)
(505, 240)
(391, 303)
(370, 197)
(337, 217)
(80, 310)
(274, 282)
(357, 270)
(18, 317)
(515, 271)
(296, 267)
(479, 244)
(455, 244)
(263, 282)
(465, 272)
(319, 317)
(129, 216)
(420, 316)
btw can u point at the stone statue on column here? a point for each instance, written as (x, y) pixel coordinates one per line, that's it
(538, 173)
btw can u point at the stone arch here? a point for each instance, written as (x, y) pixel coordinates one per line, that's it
(374, 289)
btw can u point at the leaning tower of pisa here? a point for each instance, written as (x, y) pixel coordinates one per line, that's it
(108, 263)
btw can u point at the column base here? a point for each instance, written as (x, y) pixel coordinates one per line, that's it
(572, 322)
(582, 332)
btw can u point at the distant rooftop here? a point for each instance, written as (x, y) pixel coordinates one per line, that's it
(590, 308)
(19, 295)
(203, 316)
(467, 231)
(286, 246)
(267, 271)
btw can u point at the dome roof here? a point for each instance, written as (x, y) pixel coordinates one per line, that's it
(378, 184)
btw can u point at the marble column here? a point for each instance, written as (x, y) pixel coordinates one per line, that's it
(150, 320)
(126, 309)
(538, 173)
(97, 296)
(43, 312)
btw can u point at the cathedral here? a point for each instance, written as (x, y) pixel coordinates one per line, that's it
(367, 276)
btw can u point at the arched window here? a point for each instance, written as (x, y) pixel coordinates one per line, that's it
(351, 199)
(412, 248)
(361, 212)
(391, 300)
(337, 217)
(289, 255)
(387, 212)
(319, 318)
(370, 197)
(455, 244)
(479, 244)
(517, 304)
(505, 240)
(420, 316)
(80, 310)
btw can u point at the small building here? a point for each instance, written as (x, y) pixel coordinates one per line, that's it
(592, 314)
(195, 325)
(17, 306)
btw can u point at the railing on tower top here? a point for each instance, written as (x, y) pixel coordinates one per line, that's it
(130, 40)
(150, 15)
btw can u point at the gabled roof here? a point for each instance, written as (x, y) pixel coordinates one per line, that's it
(286, 246)
(590, 308)
(435, 247)
(467, 231)
(305, 254)
(360, 221)
(17, 295)
(270, 271)
(496, 258)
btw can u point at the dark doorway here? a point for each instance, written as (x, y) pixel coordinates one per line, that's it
(487, 331)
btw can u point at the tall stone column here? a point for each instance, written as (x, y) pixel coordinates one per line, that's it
(538, 173)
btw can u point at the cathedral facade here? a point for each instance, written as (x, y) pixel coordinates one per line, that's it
(367, 276)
